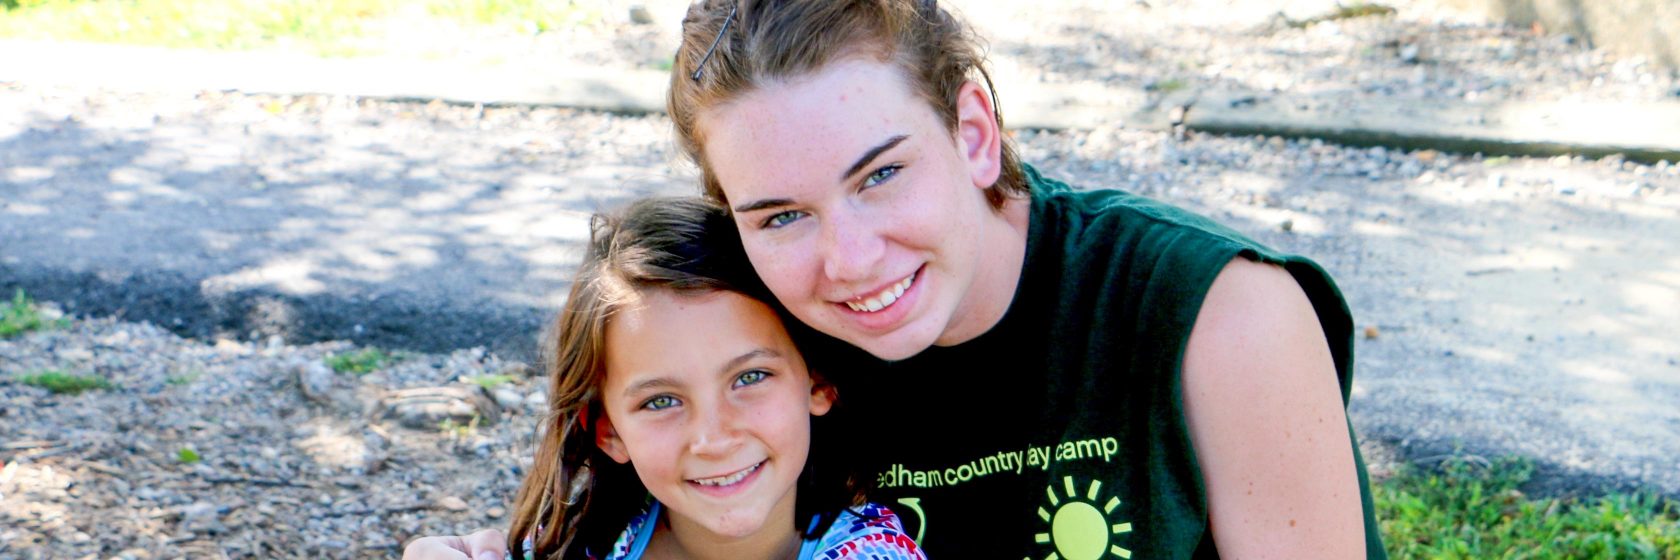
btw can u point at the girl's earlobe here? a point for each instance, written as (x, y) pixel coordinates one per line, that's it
(607, 439)
(823, 396)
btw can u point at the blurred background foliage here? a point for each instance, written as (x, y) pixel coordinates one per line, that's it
(325, 27)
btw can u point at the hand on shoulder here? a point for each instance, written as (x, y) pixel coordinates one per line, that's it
(1266, 417)
(488, 544)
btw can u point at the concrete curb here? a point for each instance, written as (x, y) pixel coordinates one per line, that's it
(1639, 131)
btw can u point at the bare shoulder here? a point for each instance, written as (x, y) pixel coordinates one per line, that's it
(1265, 413)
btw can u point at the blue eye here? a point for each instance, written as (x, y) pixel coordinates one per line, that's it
(881, 175)
(781, 219)
(660, 402)
(753, 377)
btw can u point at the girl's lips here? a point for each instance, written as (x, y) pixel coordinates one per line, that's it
(891, 315)
(733, 486)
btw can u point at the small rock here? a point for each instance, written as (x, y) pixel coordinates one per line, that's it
(1409, 54)
(517, 370)
(537, 401)
(426, 407)
(1507, 52)
(452, 503)
(1371, 332)
(640, 15)
(316, 380)
(76, 354)
(1287, 225)
(494, 513)
(507, 398)
(202, 517)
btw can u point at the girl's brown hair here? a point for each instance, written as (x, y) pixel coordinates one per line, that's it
(575, 497)
(769, 40)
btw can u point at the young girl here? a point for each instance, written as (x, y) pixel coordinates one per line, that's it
(682, 413)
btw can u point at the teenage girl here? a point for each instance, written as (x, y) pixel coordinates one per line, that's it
(681, 413)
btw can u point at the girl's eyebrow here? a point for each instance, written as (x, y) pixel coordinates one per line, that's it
(869, 156)
(728, 367)
(761, 352)
(862, 162)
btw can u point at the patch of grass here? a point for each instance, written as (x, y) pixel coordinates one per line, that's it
(526, 16)
(187, 456)
(185, 378)
(458, 430)
(325, 27)
(361, 362)
(1496, 161)
(62, 383)
(1474, 509)
(1169, 85)
(23, 316)
(490, 381)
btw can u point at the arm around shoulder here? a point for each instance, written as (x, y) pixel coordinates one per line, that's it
(1266, 418)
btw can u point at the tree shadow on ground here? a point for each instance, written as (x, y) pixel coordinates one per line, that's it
(329, 231)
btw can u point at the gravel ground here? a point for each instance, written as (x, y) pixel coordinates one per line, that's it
(346, 467)
(1507, 305)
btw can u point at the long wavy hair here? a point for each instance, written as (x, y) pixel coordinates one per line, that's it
(575, 498)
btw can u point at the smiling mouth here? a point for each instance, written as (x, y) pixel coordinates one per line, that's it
(730, 478)
(883, 299)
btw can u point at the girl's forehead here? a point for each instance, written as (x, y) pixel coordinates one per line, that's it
(811, 128)
(667, 333)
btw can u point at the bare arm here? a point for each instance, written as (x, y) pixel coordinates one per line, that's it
(1266, 417)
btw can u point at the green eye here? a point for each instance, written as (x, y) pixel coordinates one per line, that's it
(753, 377)
(660, 402)
(881, 175)
(782, 218)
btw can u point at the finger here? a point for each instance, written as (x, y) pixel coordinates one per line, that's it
(436, 548)
(489, 544)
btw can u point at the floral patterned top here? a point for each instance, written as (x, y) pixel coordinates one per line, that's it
(870, 532)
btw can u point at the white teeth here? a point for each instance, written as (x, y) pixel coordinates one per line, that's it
(729, 479)
(884, 299)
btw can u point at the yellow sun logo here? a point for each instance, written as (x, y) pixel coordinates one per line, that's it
(1078, 529)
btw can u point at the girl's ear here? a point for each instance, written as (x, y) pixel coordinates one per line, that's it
(823, 396)
(607, 439)
(979, 135)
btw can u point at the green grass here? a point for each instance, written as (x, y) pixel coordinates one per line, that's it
(324, 27)
(1475, 509)
(23, 316)
(187, 456)
(490, 381)
(62, 383)
(185, 378)
(1169, 85)
(361, 362)
(459, 431)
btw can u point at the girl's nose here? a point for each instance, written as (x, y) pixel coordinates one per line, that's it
(850, 249)
(715, 433)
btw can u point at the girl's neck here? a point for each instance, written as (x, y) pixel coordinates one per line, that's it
(676, 538)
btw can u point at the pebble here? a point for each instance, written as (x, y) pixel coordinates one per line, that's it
(452, 503)
(507, 398)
